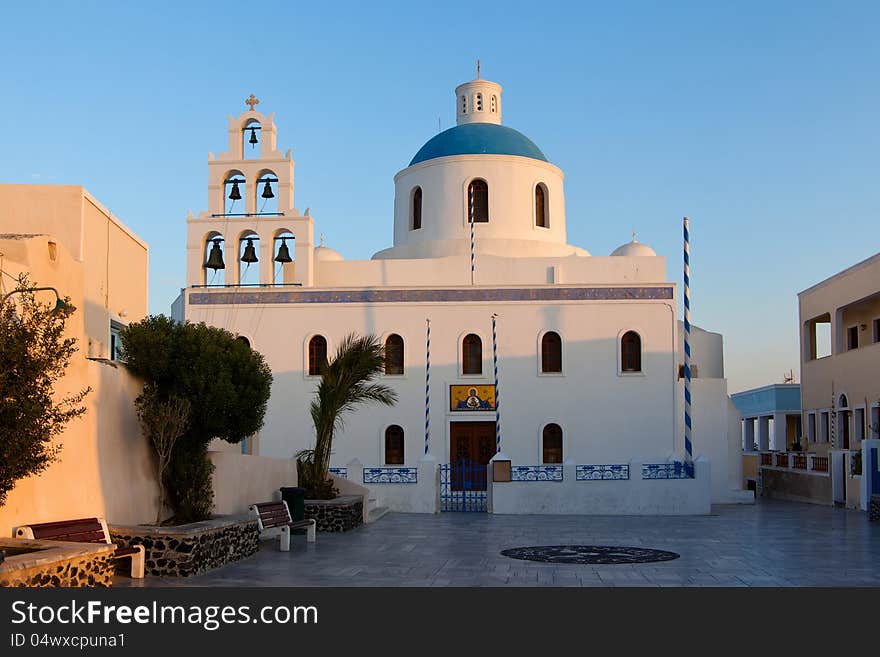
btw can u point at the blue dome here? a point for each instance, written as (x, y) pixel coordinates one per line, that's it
(477, 139)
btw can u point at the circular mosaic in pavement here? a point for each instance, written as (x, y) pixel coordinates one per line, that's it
(587, 554)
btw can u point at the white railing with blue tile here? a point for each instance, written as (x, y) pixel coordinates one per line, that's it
(602, 472)
(674, 470)
(536, 473)
(387, 475)
(342, 473)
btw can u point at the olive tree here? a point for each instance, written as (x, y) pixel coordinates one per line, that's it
(34, 355)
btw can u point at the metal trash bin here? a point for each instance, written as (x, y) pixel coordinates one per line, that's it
(296, 503)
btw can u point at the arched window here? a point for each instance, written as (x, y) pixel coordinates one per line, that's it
(843, 402)
(493, 106)
(478, 201)
(541, 206)
(417, 208)
(244, 341)
(551, 352)
(471, 354)
(317, 354)
(394, 445)
(464, 104)
(631, 352)
(479, 103)
(551, 444)
(394, 354)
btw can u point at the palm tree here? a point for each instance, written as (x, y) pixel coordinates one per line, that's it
(346, 381)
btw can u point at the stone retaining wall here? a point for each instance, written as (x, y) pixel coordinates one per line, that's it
(193, 549)
(57, 564)
(338, 515)
(874, 508)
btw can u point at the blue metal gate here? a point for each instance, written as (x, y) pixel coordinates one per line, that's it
(874, 473)
(463, 487)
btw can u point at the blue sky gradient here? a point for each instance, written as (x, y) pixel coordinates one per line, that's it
(758, 120)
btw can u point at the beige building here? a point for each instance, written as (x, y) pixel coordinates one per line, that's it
(62, 237)
(840, 358)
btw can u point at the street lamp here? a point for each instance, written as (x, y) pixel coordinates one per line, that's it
(59, 302)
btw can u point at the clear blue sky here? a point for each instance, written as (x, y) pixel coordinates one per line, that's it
(759, 120)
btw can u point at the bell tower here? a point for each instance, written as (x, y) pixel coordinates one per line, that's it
(251, 227)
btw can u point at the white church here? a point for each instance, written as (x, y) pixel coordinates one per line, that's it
(562, 368)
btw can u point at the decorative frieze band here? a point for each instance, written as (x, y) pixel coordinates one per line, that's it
(536, 473)
(245, 296)
(391, 475)
(602, 472)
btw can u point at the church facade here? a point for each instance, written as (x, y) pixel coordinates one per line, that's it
(503, 341)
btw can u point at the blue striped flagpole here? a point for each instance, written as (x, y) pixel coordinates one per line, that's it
(471, 220)
(497, 403)
(688, 446)
(427, 386)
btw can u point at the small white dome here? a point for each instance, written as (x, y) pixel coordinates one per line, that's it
(326, 254)
(633, 248)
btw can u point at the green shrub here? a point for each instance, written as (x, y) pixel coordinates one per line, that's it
(226, 383)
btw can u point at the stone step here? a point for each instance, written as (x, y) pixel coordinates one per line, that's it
(377, 512)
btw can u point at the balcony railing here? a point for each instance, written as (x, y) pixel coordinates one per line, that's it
(798, 461)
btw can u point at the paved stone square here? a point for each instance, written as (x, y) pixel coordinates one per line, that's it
(769, 544)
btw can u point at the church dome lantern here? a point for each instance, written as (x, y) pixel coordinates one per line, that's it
(483, 173)
(634, 249)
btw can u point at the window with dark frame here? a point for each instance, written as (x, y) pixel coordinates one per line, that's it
(394, 355)
(540, 207)
(115, 342)
(317, 354)
(631, 352)
(551, 352)
(417, 208)
(852, 338)
(472, 354)
(877, 330)
(478, 190)
(552, 444)
(394, 445)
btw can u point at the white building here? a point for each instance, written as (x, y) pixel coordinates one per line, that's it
(587, 347)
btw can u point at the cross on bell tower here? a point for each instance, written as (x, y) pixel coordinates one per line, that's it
(251, 101)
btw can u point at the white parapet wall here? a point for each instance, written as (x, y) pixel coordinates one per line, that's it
(241, 480)
(632, 496)
(403, 489)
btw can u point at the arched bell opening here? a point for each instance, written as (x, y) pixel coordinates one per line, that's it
(266, 192)
(213, 265)
(249, 258)
(282, 257)
(235, 193)
(251, 140)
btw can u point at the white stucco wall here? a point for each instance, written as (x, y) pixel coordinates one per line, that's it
(635, 496)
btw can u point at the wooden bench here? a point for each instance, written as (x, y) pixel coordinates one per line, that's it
(273, 519)
(84, 530)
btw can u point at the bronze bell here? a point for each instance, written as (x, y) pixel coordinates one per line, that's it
(283, 252)
(215, 258)
(234, 194)
(253, 140)
(250, 253)
(267, 191)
